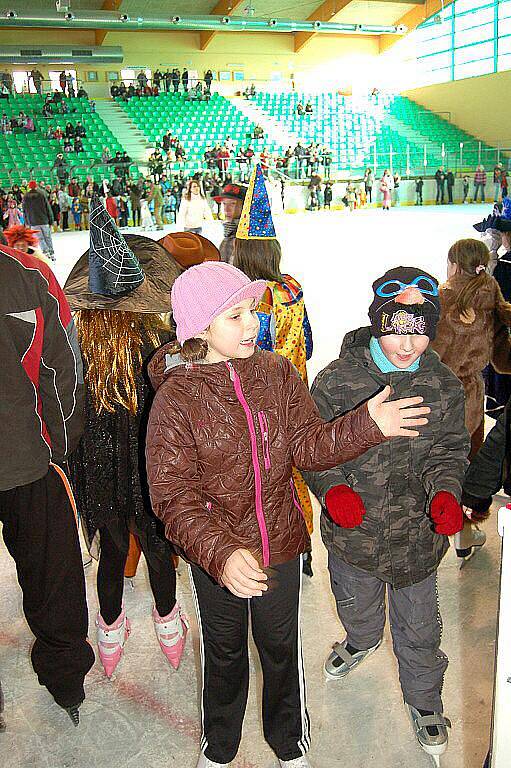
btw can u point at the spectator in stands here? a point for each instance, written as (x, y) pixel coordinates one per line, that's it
(47, 110)
(419, 184)
(70, 85)
(29, 126)
(4, 92)
(466, 187)
(180, 153)
(184, 80)
(301, 159)
(142, 80)
(37, 78)
(78, 145)
(258, 132)
(308, 108)
(167, 77)
(5, 124)
(368, 183)
(194, 209)
(39, 216)
(208, 79)
(70, 131)
(62, 81)
(65, 201)
(157, 78)
(156, 164)
(68, 146)
(80, 130)
(82, 93)
(222, 161)
(497, 173)
(440, 185)
(58, 133)
(61, 166)
(449, 178)
(105, 155)
(176, 79)
(300, 109)
(479, 183)
(114, 91)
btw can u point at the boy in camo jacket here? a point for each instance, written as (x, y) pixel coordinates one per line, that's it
(386, 516)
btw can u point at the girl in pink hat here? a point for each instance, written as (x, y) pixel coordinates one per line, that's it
(227, 425)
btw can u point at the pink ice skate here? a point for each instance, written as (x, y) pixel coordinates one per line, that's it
(171, 633)
(111, 640)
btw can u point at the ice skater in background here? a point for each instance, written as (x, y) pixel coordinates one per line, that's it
(387, 514)
(386, 187)
(147, 221)
(118, 329)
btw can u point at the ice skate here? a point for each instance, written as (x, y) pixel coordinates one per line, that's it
(340, 662)
(468, 541)
(171, 633)
(298, 762)
(111, 640)
(74, 714)
(307, 564)
(431, 732)
(205, 762)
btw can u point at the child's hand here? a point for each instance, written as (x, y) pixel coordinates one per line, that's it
(242, 575)
(394, 418)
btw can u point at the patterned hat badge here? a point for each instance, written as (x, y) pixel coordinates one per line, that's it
(256, 222)
(114, 270)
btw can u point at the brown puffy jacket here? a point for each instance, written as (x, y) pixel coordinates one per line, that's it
(467, 345)
(221, 441)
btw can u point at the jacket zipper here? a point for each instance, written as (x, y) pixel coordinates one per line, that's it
(263, 425)
(255, 462)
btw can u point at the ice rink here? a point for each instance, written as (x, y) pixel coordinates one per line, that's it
(148, 716)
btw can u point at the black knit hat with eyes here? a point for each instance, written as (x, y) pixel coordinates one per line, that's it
(405, 303)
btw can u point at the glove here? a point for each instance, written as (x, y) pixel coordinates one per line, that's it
(344, 506)
(446, 513)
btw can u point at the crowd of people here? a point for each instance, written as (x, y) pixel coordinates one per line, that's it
(211, 374)
(171, 81)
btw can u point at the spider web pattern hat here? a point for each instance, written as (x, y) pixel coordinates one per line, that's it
(114, 270)
(256, 222)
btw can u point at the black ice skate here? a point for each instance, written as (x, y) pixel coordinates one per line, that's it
(74, 713)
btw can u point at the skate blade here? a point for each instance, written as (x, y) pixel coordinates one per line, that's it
(464, 560)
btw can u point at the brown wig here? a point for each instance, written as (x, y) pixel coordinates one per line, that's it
(258, 259)
(468, 255)
(111, 345)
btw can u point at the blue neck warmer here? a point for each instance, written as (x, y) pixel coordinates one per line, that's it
(384, 364)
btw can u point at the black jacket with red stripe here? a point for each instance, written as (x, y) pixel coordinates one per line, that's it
(41, 375)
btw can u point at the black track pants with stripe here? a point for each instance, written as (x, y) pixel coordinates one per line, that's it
(223, 626)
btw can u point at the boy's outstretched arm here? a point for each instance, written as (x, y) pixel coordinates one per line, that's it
(484, 476)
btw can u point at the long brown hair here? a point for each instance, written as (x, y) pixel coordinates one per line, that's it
(258, 259)
(111, 345)
(468, 255)
(188, 191)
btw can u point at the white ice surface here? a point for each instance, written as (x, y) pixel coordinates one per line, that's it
(148, 716)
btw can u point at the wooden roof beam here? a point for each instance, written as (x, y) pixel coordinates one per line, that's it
(108, 5)
(324, 12)
(222, 8)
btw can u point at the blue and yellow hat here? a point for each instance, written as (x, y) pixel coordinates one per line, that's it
(256, 222)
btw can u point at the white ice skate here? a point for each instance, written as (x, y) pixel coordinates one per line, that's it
(205, 762)
(340, 662)
(431, 732)
(468, 541)
(298, 762)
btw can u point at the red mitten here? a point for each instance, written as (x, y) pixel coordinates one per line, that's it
(446, 513)
(344, 506)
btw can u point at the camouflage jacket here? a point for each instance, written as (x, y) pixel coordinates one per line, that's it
(397, 479)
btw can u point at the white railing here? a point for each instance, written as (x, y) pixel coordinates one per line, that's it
(501, 726)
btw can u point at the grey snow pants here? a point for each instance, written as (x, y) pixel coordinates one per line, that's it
(415, 624)
(45, 241)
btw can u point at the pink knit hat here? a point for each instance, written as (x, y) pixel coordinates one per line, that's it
(205, 291)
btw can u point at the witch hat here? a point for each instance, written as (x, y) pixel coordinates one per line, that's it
(256, 222)
(114, 270)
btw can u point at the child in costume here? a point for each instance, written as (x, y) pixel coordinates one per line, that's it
(76, 210)
(473, 330)
(386, 187)
(117, 289)
(386, 515)
(147, 221)
(283, 322)
(227, 425)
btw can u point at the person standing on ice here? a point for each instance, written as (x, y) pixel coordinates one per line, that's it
(387, 514)
(386, 187)
(118, 329)
(227, 425)
(41, 412)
